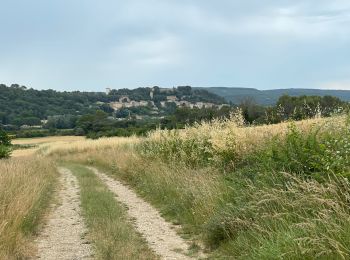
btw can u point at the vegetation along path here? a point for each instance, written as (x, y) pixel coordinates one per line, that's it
(63, 236)
(160, 235)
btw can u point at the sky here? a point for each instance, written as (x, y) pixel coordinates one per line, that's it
(91, 45)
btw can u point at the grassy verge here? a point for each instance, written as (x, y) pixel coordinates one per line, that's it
(111, 232)
(26, 188)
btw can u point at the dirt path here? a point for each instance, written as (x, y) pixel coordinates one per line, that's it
(62, 237)
(160, 235)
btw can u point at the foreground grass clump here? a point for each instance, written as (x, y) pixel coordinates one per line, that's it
(110, 230)
(26, 187)
(281, 216)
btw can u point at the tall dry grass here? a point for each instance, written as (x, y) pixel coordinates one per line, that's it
(87, 145)
(29, 146)
(26, 185)
(224, 141)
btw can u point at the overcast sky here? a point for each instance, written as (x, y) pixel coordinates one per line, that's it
(91, 45)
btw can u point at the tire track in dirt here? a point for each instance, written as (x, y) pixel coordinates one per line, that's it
(160, 235)
(63, 235)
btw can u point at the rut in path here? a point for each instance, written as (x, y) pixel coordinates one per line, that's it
(160, 235)
(62, 237)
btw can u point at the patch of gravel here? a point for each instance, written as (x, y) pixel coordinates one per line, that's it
(160, 235)
(63, 235)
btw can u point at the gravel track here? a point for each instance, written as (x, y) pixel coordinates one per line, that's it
(63, 235)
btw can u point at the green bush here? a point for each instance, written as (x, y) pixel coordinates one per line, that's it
(4, 138)
(299, 153)
(315, 153)
(192, 151)
(5, 151)
(5, 145)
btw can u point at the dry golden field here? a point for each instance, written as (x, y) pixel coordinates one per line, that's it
(86, 145)
(41, 142)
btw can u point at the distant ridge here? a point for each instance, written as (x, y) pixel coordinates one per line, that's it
(270, 97)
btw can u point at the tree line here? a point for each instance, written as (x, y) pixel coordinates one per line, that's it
(22, 106)
(287, 108)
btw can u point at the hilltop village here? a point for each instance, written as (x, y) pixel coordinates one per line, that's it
(156, 102)
(158, 98)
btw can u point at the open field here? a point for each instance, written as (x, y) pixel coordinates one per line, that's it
(86, 145)
(237, 192)
(32, 145)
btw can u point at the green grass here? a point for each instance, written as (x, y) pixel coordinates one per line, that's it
(110, 230)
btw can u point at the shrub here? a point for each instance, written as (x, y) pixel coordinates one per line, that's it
(192, 151)
(5, 151)
(317, 153)
(5, 145)
(4, 138)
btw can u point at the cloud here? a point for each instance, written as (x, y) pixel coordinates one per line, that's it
(345, 85)
(295, 20)
(155, 52)
(264, 44)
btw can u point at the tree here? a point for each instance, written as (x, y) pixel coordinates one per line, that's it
(184, 90)
(93, 122)
(308, 106)
(5, 145)
(252, 112)
(61, 122)
(122, 113)
(4, 138)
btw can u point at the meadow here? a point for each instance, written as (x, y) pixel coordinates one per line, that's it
(29, 146)
(242, 192)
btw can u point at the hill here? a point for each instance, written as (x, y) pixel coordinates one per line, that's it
(22, 106)
(270, 97)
